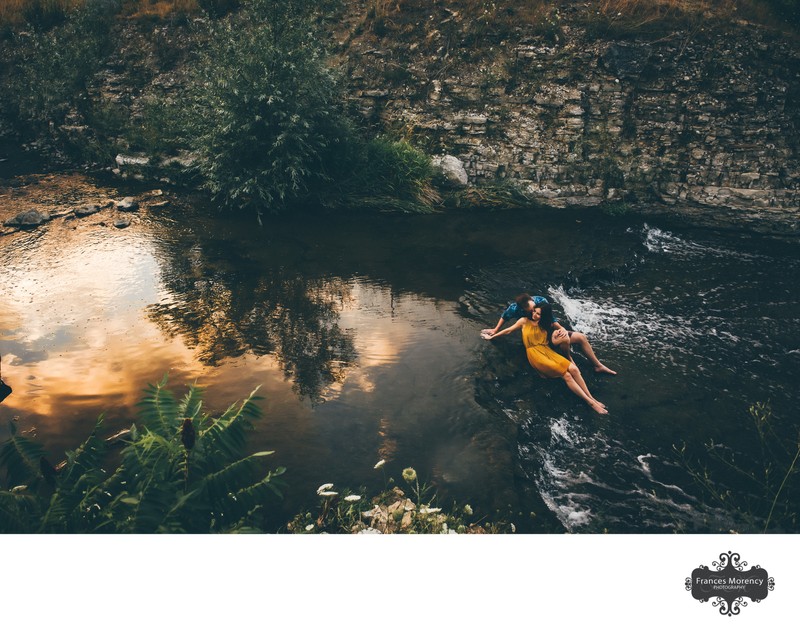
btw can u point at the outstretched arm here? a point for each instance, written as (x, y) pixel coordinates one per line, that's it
(496, 328)
(504, 332)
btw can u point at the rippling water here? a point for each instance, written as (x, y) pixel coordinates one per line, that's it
(362, 333)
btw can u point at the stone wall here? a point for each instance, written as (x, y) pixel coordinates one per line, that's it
(704, 121)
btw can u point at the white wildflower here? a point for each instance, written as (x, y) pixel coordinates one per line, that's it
(379, 464)
(325, 487)
(309, 527)
(352, 498)
(328, 494)
(468, 510)
(429, 510)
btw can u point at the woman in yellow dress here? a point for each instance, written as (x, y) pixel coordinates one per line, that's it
(548, 363)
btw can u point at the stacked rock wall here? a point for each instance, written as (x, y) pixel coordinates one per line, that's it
(696, 121)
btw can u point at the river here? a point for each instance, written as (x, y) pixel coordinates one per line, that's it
(362, 334)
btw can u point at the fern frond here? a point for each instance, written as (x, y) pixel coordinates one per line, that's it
(155, 501)
(55, 516)
(192, 403)
(262, 490)
(18, 513)
(158, 408)
(226, 437)
(88, 457)
(20, 457)
(233, 477)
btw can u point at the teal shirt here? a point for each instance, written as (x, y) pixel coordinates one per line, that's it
(513, 311)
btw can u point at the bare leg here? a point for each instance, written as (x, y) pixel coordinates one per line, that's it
(575, 372)
(575, 388)
(582, 342)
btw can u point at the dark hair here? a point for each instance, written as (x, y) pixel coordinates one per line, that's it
(522, 301)
(546, 320)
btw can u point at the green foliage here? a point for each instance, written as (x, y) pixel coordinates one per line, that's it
(50, 71)
(183, 471)
(383, 173)
(263, 111)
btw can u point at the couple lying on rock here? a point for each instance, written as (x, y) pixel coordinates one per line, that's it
(542, 336)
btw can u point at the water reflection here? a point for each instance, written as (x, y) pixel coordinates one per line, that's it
(222, 315)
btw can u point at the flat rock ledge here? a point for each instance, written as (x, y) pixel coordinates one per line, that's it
(28, 219)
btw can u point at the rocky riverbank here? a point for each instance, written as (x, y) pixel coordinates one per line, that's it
(697, 122)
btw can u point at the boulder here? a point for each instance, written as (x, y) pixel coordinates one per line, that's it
(127, 204)
(451, 171)
(28, 218)
(89, 209)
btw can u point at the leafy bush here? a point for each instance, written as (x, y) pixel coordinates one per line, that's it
(183, 471)
(263, 111)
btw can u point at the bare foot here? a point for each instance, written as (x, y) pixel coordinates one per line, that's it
(602, 368)
(599, 408)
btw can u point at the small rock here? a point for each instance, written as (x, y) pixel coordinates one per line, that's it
(123, 160)
(127, 204)
(122, 222)
(89, 209)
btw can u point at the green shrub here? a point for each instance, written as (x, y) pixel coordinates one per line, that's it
(183, 471)
(263, 111)
(50, 71)
(390, 167)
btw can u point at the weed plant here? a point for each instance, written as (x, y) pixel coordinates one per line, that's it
(181, 471)
(410, 509)
(760, 491)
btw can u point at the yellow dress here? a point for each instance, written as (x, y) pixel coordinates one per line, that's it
(542, 358)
